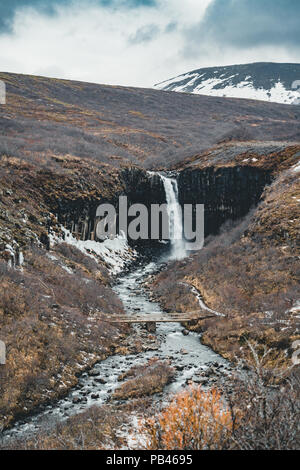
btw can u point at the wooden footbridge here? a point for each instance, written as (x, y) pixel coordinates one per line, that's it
(151, 319)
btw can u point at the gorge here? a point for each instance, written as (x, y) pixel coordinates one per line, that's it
(68, 147)
(186, 354)
(227, 194)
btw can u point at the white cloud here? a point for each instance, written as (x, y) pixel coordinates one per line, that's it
(95, 44)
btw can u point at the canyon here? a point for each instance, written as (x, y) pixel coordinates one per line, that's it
(89, 145)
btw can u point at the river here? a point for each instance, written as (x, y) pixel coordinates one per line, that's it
(187, 355)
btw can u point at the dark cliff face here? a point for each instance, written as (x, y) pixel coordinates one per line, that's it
(140, 187)
(227, 193)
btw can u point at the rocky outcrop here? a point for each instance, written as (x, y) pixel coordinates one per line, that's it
(227, 193)
(79, 215)
(143, 187)
(71, 200)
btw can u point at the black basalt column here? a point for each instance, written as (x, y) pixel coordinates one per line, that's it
(227, 193)
(145, 188)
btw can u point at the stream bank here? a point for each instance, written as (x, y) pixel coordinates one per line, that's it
(191, 360)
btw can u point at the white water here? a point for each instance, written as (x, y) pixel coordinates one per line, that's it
(178, 250)
(187, 352)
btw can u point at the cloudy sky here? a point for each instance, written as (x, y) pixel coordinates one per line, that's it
(142, 42)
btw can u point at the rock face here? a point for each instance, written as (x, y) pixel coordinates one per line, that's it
(145, 188)
(227, 193)
(79, 215)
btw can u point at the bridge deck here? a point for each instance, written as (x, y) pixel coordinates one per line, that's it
(159, 317)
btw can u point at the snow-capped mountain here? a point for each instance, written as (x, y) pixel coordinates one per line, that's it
(260, 81)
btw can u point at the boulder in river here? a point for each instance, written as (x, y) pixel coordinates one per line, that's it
(93, 373)
(101, 381)
(76, 400)
(203, 382)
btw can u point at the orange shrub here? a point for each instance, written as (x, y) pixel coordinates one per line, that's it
(195, 420)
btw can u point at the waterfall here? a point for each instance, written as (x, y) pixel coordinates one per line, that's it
(178, 250)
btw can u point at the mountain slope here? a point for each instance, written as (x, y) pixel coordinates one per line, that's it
(45, 118)
(260, 81)
(67, 146)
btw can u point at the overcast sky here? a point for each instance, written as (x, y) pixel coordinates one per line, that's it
(139, 43)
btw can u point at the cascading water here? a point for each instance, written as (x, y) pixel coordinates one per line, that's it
(178, 250)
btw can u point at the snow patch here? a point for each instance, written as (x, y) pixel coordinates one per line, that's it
(21, 258)
(114, 252)
(296, 168)
(223, 87)
(296, 307)
(200, 300)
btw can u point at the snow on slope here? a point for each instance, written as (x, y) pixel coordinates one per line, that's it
(115, 253)
(264, 81)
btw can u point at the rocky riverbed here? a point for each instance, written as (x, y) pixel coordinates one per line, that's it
(192, 361)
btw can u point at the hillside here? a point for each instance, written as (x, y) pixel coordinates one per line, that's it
(45, 118)
(67, 146)
(260, 81)
(249, 266)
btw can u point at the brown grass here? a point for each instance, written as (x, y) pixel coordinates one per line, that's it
(144, 380)
(52, 331)
(243, 278)
(252, 413)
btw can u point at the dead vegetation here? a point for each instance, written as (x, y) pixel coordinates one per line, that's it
(194, 420)
(60, 145)
(256, 285)
(95, 429)
(250, 414)
(45, 118)
(264, 404)
(52, 328)
(144, 380)
(277, 219)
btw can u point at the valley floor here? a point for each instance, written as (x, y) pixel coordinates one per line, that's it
(62, 354)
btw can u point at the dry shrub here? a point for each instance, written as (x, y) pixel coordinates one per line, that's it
(77, 289)
(93, 429)
(266, 404)
(145, 380)
(79, 259)
(15, 301)
(254, 284)
(235, 274)
(48, 334)
(195, 420)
